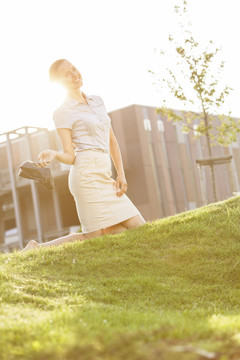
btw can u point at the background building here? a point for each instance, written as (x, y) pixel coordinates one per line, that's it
(160, 164)
(27, 209)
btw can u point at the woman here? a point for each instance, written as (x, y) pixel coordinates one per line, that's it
(88, 142)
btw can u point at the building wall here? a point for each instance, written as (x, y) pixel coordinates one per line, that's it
(57, 212)
(160, 162)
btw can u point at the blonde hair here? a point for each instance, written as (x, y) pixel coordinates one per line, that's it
(53, 71)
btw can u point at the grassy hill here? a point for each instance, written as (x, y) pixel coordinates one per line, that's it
(167, 290)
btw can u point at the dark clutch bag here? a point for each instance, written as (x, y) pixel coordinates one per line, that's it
(30, 170)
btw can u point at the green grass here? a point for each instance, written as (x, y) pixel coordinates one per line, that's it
(162, 291)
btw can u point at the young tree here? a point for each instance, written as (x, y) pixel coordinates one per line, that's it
(195, 80)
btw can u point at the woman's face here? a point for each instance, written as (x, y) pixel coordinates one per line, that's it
(69, 76)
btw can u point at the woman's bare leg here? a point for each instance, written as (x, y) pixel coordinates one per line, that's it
(32, 244)
(68, 238)
(115, 229)
(131, 223)
(134, 222)
(64, 239)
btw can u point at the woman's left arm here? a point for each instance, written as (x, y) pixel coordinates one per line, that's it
(121, 183)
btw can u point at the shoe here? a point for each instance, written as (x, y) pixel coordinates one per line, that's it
(31, 170)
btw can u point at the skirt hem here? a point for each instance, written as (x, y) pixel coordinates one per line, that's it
(110, 224)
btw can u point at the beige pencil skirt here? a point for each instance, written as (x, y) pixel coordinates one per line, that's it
(93, 188)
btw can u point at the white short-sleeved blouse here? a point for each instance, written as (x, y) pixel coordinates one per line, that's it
(89, 123)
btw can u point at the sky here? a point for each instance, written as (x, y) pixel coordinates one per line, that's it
(112, 43)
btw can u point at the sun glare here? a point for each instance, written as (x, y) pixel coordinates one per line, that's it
(58, 94)
(52, 95)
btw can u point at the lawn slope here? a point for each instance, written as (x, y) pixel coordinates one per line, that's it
(167, 290)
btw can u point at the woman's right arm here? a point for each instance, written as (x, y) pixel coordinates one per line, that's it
(67, 157)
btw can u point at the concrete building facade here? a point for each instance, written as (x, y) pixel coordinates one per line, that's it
(161, 159)
(161, 170)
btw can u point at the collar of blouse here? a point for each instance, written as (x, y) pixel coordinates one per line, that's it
(71, 101)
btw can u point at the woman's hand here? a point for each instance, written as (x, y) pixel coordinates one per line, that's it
(121, 185)
(46, 157)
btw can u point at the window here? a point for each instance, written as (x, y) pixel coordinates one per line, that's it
(195, 132)
(160, 125)
(147, 124)
(7, 207)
